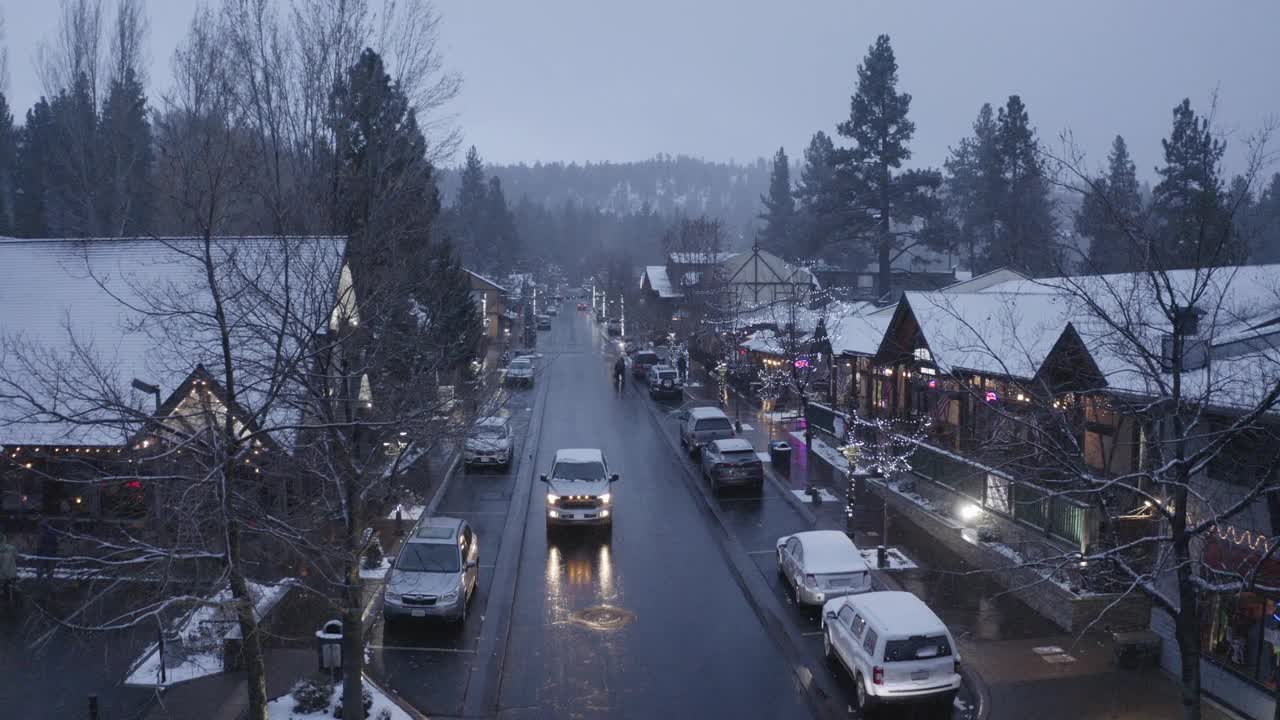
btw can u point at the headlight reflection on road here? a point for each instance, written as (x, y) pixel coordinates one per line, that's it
(605, 561)
(555, 591)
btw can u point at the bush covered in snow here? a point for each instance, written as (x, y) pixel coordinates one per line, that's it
(311, 696)
(365, 698)
(373, 554)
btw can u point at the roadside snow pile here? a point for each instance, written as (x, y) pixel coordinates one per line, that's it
(316, 699)
(407, 512)
(912, 496)
(195, 649)
(780, 416)
(825, 496)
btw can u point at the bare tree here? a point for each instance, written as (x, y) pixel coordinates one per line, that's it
(128, 39)
(4, 57)
(76, 48)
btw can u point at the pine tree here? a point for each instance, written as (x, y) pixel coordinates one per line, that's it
(124, 132)
(1110, 213)
(883, 203)
(500, 227)
(976, 187)
(31, 213)
(1193, 226)
(779, 214)
(817, 195)
(1266, 212)
(384, 194)
(72, 158)
(1024, 239)
(8, 165)
(469, 210)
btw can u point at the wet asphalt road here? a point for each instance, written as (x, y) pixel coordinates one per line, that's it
(678, 612)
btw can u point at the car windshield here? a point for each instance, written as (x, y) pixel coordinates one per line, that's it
(917, 647)
(490, 432)
(520, 364)
(429, 557)
(646, 358)
(592, 470)
(667, 375)
(713, 424)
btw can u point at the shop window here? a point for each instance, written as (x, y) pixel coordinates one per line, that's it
(1242, 632)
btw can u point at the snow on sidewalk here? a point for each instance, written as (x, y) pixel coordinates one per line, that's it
(383, 708)
(197, 651)
(834, 457)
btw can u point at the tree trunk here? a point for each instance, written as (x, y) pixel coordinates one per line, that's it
(352, 644)
(352, 620)
(1187, 626)
(255, 667)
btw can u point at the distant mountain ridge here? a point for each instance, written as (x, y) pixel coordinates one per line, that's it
(669, 185)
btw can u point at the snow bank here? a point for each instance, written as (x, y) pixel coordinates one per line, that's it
(196, 650)
(383, 707)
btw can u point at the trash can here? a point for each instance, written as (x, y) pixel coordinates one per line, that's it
(329, 645)
(780, 454)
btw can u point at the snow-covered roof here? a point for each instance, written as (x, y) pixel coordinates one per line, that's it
(80, 319)
(579, 455)
(690, 278)
(985, 280)
(897, 614)
(829, 551)
(493, 285)
(990, 332)
(700, 258)
(706, 412)
(657, 279)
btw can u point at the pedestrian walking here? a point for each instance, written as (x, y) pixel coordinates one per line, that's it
(47, 551)
(682, 365)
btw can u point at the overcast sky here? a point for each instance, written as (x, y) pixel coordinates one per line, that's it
(734, 79)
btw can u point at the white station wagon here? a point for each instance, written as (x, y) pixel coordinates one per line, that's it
(894, 646)
(821, 565)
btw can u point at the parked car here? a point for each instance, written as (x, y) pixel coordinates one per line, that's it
(820, 565)
(579, 489)
(436, 572)
(701, 425)
(664, 380)
(732, 462)
(641, 362)
(553, 310)
(520, 371)
(613, 326)
(488, 443)
(894, 646)
(544, 322)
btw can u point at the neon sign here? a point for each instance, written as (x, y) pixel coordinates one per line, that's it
(802, 363)
(992, 396)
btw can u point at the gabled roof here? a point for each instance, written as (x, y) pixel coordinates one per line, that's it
(655, 278)
(485, 282)
(75, 327)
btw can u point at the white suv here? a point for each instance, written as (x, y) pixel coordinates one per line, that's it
(579, 489)
(894, 646)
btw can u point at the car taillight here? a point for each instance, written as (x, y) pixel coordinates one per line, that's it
(877, 675)
(811, 580)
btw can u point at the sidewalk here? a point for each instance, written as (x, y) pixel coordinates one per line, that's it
(1027, 665)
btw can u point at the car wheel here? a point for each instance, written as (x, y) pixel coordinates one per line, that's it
(864, 699)
(827, 651)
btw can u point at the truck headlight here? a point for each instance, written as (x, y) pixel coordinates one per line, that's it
(552, 498)
(605, 498)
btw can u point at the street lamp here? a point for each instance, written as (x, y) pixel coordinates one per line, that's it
(148, 388)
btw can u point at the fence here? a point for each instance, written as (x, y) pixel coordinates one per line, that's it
(1055, 515)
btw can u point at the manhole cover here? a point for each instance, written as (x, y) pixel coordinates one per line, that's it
(602, 617)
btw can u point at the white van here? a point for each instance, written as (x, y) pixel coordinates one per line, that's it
(894, 646)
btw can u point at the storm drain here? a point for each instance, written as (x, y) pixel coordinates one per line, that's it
(602, 617)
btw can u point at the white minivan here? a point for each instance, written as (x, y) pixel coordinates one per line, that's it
(894, 646)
